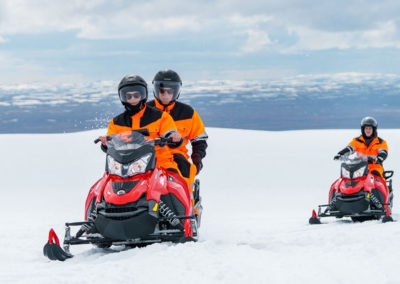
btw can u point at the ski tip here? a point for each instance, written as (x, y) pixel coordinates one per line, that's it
(314, 219)
(388, 217)
(52, 249)
(55, 252)
(53, 238)
(314, 214)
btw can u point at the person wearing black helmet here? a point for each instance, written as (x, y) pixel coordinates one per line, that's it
(133, 93)
(368, 143)
(166, 89)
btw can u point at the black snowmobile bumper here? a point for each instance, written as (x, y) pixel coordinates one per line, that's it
(352, 205)
(176, 235)
(328, 212)
(138, 226)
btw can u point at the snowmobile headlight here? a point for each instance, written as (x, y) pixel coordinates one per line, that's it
(345, 173)
(114, 167)
(139, 166)
(359, 173)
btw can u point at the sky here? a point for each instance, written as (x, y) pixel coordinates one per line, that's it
(76, 40)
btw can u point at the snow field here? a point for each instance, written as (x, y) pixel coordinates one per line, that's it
(258, 191)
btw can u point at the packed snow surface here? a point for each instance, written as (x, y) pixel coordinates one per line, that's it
(258, 190)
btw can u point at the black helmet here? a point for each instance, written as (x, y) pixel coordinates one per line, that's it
(131, 85)
(369, 121)
(167, 80)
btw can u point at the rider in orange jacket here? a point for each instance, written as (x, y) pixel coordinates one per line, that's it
(166, 89)
(138, 115)
(368, 143)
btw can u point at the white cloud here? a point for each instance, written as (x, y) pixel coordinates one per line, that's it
(257, 40)
(383, 35)
(95, 19)
(317, 24)
(250, 21)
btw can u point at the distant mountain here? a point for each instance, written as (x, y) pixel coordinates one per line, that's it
(301, 102)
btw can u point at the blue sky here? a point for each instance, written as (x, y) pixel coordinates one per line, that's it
(70, 41)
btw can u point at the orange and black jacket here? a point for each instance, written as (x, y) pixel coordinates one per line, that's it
(189, 125)
(157, 123)
(375, 146)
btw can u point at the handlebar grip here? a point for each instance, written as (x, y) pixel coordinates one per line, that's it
(162, 141)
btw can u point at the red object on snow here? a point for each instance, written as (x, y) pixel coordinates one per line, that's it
(53, 236)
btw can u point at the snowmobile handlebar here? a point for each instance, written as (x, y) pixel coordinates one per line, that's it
(368, 158)
(162, 141)
(98, 139)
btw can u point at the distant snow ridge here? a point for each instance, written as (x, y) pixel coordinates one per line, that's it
(46, 94)
(301, 102)
(225, 91)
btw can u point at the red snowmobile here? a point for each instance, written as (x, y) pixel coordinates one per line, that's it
(358, 193)
(135, 203)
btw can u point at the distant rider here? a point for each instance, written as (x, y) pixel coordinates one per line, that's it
(368, 143)
(133, 93)
(166, 89)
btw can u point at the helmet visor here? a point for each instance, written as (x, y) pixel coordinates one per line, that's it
(132, 92)
(166, 87)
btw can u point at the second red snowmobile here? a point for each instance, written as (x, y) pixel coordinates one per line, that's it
(358, 193)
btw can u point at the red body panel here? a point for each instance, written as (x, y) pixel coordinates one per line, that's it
(96, 191)
(154, 183)
(367, 183)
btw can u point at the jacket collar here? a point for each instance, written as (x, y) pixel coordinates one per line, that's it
(160, 106)
(373, 141)
(140, 113)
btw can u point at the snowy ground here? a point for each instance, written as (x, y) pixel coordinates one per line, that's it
(258, 189)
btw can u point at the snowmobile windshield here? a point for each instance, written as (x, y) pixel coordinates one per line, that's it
(354, 165)
(355, 158)
(130, 140)
(129, 154)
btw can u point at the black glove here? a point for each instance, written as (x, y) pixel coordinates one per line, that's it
(371, 160)
(196, 158)
(380, 159)
(337, 157)
(174, 145)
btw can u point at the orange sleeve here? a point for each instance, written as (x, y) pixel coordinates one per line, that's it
(384, 146)
(167, 124)
(111, 128)
(354, 143)
(197, 126)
